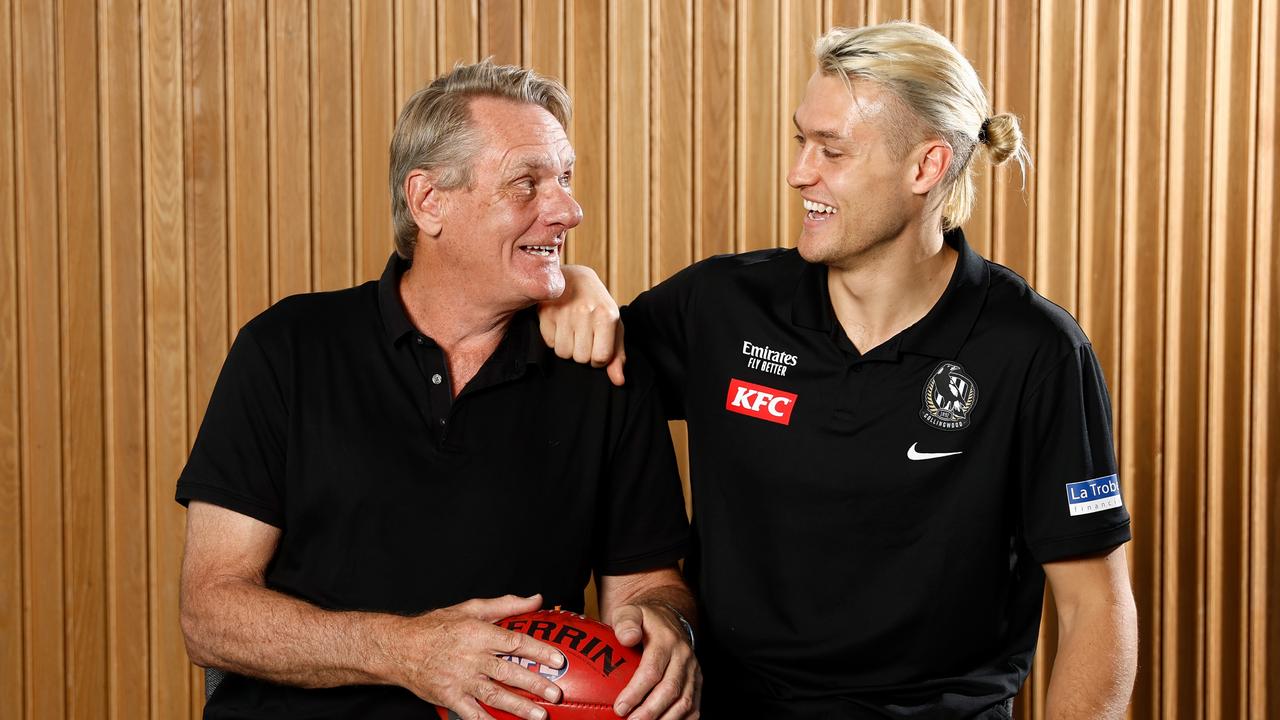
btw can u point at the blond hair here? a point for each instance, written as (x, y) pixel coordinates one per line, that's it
(924, 71)
(435, 132)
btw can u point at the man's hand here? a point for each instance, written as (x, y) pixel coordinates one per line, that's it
(583, 323)
(451, 658)
(668, 679)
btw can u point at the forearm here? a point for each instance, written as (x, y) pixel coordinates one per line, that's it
(240, 626)
(1094, 668)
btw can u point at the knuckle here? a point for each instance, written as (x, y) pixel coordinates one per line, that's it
(488, 693)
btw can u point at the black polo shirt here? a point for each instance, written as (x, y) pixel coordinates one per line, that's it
(332, 420)
(870, 528)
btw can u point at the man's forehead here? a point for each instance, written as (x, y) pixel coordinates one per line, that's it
(521, 133)
(834, 110)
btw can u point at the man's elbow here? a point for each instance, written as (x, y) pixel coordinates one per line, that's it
(197, 625)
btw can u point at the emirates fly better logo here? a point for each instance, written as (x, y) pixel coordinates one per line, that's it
(758, 401)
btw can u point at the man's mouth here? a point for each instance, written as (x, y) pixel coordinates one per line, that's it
(818, 211)
(548, 250)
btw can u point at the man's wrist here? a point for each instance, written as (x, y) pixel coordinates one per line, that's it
(684, 622)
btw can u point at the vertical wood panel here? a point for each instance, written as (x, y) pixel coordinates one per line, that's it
(289, 147)
(36, 142)
(249, 268)
(1139, 402)
(1057, 229)
(500, 29)
(587, 80)
(672, 106)
(1101, 170)
(757, 125)
(375, 119)
(879, 11)
(206, 201)
(543, 37)
(124, 379)
(629, 147)
(845, 13)
(458, 32)
(1185, 422)
(801, 24)
(1264, 602)
(714, 127)
(973, 32)
(81, 322)
(331, 152)
(415, 46)
(1230, 323)
(937, 15)
(11, 516)
(166, 350)
(1017, 91)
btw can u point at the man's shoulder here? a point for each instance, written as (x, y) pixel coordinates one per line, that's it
(757, 271)
(329, 314)
(1017, 310)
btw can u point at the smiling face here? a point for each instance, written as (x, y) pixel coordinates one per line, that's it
(850, 171)
(504, 233)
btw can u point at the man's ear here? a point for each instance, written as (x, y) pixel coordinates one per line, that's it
(425, 202)
(933, 158)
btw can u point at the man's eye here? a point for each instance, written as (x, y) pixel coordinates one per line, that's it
(525, 184)
(828, 152)
(565, 179)
(799, 139)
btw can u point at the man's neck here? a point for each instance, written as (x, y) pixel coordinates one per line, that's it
(891, 286)
(466, 328)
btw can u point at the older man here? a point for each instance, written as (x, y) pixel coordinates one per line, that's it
(893, 441)
(384, 471)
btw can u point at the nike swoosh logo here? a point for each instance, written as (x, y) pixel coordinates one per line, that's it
(913, 454)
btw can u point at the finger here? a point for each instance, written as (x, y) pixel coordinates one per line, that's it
(645, 683)
(604, 327)
(628, 624)
(619, 358)
(499, 698)
(513, 675)
(547, 323)
(468, 709)
(687, 704)
(520, 645)
(494, 609)
(564, 339)
(582, 338)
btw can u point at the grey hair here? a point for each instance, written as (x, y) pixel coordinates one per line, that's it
(940, 88)
(435, 131)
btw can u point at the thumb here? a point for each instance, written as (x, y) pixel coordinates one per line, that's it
(495, 609)
(628, 624)
(619, 358)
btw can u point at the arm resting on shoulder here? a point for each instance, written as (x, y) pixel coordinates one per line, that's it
(1097, 656)
(654, 607)
(448, 657)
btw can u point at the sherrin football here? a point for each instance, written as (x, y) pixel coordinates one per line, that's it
(597, 667)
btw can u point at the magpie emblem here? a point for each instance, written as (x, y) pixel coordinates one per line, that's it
(949, 397)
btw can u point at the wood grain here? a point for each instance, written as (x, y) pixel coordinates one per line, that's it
(248, 158)
(758, 121)
(289, 147)
(714, 127)
(375, 119)
(629, 149)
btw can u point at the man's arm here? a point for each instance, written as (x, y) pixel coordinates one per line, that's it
(649, 606)
(448, 657)
(1097, 637)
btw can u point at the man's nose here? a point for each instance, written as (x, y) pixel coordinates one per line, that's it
(801, 174)
(562, 209)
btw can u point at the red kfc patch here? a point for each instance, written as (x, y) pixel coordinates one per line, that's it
(760, 402)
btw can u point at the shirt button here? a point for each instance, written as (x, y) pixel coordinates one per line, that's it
(435, 379)
(443, 421)
(421, 340)
(857, 368)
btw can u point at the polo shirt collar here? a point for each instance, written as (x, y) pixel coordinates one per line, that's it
(940, 333)
(522, 345)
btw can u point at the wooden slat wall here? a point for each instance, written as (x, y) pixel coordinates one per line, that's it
(167, 169)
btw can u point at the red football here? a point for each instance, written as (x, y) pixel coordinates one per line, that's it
(597, 667)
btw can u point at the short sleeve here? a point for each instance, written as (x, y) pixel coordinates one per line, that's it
(238, 459)
(1071, 493)
(656, 324)
(645, 526)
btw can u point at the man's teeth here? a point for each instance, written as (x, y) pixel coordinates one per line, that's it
(540, 249)
(818, 207)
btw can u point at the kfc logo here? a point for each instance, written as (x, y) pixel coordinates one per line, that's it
(760, 402)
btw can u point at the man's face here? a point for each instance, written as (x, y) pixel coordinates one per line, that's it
(504, 234)
(844, 162)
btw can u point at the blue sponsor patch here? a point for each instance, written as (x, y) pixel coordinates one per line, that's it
(1091, 496)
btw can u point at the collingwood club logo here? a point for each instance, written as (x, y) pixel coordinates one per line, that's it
(949, 397)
